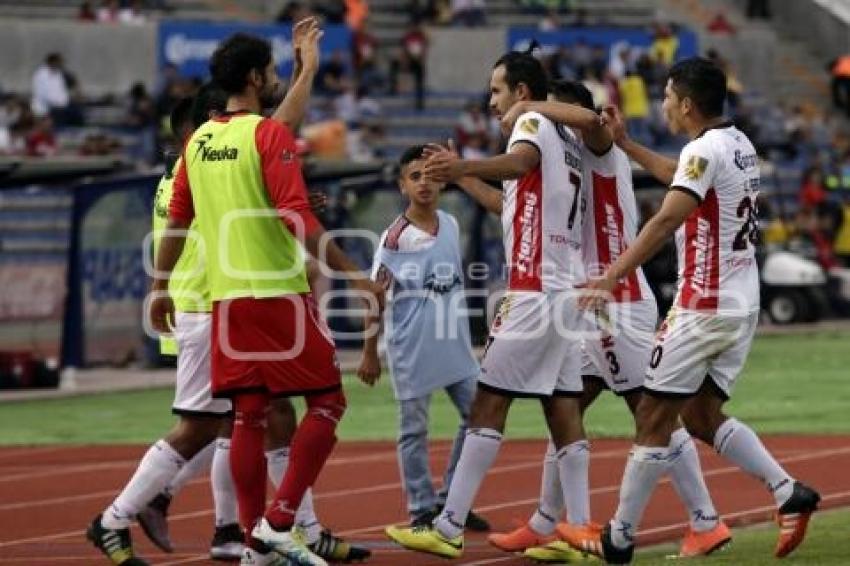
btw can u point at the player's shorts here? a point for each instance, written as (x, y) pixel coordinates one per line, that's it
(278, 345)
(534, 348)
(692, 346)
(618, 349)
(193, 387)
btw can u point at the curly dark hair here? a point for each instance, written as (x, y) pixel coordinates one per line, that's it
(236, 57)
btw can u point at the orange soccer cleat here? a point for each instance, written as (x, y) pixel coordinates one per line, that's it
(519, 539)
(704, 543)
(580, 537)
(793, 518)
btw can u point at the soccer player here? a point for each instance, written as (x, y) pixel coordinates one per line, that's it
(616, 357)
(419, 263)
(242, 175)
(704, 342)
(527, 355)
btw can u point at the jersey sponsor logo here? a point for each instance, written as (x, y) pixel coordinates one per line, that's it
(695, 167)
(612, 229)
(441, 284)
(527, 243)
(702, 256)
(744, 162)
(208, 153)
(530, 126)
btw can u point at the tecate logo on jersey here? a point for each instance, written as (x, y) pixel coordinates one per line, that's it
(613, 232)
(702, 267)
(526, 246)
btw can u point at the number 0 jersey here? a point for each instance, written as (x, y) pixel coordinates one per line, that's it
(716, 244)
(611, 222)
(541, 213)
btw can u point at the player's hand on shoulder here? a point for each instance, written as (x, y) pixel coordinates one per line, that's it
(511, 116)
(369, 371)
(443, 167)
(613, 120)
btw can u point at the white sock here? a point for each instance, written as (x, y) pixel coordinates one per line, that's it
(223, 490)
(198, 465)
(646, 464)
(573, 467)
(157, 467)
(686, 473)
(551, 506)
(277, 461)
(737, 442)
(480, 448)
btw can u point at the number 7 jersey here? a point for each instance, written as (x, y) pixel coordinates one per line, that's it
(716, 244)
(542, 214)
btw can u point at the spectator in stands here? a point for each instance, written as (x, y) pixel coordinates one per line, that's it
(620, 62)
(582, 56)
(634, 101)
(108, 11)
(133, 14)
(758, 9)
(86, 13)
(469, 13)
(840, 71)
(356, 12)
(41, 142)
(413, 57)
(51, 93)
(593, 81)
(812, 190)
(364, 56)
(472, 122)
(332, 78)
(560, 65)
(293, 12)
(550, 21)
(664, 46)
(141, 117)
(599, 60)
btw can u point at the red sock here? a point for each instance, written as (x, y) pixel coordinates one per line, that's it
(247, 460)
(311, 445)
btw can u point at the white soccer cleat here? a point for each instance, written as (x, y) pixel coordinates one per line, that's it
(251, 557)
(291, 544)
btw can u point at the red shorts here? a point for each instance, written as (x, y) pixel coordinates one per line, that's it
(279, 345)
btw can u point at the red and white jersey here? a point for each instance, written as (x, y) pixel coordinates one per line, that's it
(716, 244)
(541, 213)
(611, 223)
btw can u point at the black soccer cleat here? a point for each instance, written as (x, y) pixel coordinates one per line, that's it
(228, 543)
(154, 522)
(474, 521)
(334, 549)
(115, 544)
(612, 554)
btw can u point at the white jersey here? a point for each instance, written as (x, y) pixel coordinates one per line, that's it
(541, 212)
(716, 244)
(611, 223)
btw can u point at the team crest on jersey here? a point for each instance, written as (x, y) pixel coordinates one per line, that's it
(695, 167)
(530, 126)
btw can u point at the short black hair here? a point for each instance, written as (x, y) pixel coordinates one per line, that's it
(236, 57)
(210, 97)
(572, 92)
(181, 115)
(522, 67)
(703, 82)
(412, 153)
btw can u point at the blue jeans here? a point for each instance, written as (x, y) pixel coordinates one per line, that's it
(413, 446)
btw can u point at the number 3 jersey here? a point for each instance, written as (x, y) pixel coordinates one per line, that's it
(611, 220)
(542, 213)
(716, 244)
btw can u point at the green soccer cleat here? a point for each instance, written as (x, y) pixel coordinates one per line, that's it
(426, 539)
(556, 552)
(334, 549)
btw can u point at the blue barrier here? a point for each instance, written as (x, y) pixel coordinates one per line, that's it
(518, 38)
(189, 45)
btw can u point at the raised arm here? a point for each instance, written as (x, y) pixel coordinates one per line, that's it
(305, 41)
(659, 166)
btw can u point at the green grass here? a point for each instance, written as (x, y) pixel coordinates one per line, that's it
(825, 545)
(792, 384)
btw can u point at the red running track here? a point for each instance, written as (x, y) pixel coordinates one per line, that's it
(49, 494)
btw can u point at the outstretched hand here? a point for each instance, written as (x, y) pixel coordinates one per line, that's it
(443, 164)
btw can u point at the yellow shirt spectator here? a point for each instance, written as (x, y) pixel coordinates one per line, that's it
(633, 97)
(664, 49)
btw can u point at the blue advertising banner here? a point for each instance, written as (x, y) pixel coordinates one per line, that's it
(189, 45)
(519, 38)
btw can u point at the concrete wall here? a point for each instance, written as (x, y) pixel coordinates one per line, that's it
(105, 58)
(817, 25)
(461, 59)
